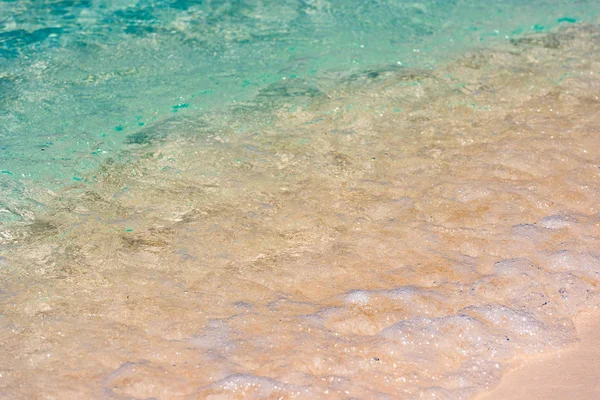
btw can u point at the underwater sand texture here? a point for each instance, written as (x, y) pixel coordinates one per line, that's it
(405, 236)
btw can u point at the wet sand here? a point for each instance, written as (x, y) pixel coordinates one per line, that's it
(407, 235)
(572, 373)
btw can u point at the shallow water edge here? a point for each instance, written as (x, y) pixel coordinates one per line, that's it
(405, 235)
(569, 372)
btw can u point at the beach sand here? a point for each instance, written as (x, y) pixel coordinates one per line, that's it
(572, 373)
(408, 235)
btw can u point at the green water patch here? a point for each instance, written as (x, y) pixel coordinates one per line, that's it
(97, 78)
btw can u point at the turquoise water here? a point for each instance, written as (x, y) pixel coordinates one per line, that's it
(81, 81)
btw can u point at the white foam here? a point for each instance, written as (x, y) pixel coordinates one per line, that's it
(556, 222)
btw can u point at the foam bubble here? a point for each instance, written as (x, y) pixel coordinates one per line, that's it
(556, 222)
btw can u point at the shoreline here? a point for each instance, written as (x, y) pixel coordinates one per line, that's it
(412, 253)
(572, 372)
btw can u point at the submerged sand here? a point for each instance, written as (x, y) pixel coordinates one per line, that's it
(409, 234)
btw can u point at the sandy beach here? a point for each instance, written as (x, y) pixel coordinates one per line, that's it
(571, 373)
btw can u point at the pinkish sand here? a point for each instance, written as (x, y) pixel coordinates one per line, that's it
(573, 373)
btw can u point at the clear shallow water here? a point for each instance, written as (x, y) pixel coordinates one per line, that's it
(84, 80)
(361, 228)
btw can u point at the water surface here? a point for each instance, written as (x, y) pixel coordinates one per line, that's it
(293, 199)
